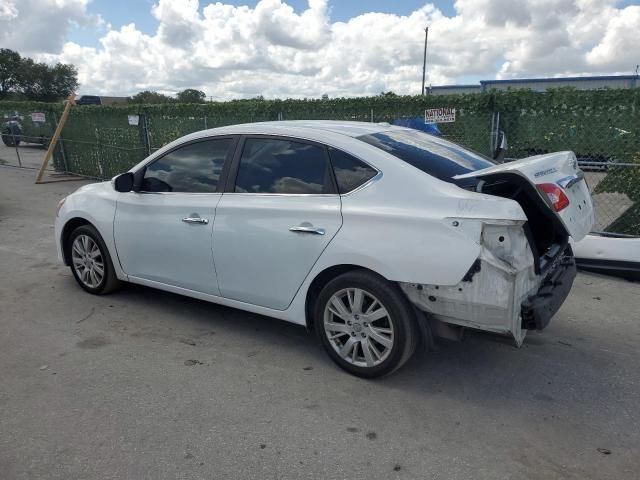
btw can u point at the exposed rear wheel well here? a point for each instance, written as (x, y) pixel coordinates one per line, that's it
(318, 284)
(69, 227)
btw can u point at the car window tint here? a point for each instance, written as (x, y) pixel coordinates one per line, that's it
(194, 168)
(282, 166)
(349, 171)
(433, 155)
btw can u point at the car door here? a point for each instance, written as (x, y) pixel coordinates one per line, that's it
(279, 211)
(163, 230)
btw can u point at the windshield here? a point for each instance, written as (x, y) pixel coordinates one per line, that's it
(432, 155)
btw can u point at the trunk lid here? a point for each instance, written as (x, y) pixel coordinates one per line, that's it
(557, 179)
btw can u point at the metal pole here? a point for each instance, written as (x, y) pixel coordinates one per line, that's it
(145, 127)
(16, 145)
(497, 131)
(424, 60)
(491, 133)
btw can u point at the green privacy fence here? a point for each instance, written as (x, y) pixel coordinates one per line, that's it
(601, 126)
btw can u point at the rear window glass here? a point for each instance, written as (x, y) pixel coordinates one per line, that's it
(350, 172)
(435, 156)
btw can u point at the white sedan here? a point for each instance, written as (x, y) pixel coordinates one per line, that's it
(373, 235)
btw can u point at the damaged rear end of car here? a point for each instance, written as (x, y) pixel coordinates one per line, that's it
(504, 291)
(525, 267)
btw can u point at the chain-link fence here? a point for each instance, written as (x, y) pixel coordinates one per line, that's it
(24, 134)
(601, 127)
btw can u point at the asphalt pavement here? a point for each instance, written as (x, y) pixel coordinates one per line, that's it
(143, 384)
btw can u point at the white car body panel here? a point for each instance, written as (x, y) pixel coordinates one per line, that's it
(153, 242)
(404, 224)
(614, 255)
(258, 259)
(95, 203)
(608, 248)
(578, 217)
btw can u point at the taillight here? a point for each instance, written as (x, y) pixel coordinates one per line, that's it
(556, 196)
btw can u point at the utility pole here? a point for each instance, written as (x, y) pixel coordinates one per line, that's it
(424, 60)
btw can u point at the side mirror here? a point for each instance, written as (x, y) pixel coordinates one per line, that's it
(123, 182)
(502, 148)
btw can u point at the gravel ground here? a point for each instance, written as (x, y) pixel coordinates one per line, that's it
(143, 384)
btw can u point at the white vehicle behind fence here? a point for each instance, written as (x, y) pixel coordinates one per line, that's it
(372, 235)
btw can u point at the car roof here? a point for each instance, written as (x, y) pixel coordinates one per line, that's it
(323, 131)
(308, 127)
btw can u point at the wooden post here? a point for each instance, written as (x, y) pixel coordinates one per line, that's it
(56, 135)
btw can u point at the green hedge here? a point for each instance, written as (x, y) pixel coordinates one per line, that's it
(598, 124)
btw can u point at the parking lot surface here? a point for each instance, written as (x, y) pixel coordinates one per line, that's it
(143, 384)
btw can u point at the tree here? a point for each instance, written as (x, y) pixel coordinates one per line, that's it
(21, 77)
(191, 95)
(9, 64)
(64, 80)
(148, 96)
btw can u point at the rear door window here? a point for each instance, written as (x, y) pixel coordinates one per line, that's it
(350, 172)
(435, 156)
(282, 166)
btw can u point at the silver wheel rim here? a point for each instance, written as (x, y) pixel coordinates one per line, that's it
(358, 327)
(87, 261)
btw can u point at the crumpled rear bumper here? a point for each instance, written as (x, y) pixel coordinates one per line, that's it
(538, 309)
(500, 296)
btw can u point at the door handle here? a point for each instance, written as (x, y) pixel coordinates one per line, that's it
(201, 221)
(311, 230)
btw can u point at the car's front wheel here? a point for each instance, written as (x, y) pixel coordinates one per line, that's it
(365, 324)
(90, 261)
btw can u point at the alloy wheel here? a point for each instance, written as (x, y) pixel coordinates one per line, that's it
(88, 262)
(358, 327)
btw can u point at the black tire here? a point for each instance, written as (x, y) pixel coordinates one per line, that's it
(109, 281)
(7, 139)
(401, 318)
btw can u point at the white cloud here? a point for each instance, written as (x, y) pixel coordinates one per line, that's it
(618, 49)
(271, 50)
(41, 26)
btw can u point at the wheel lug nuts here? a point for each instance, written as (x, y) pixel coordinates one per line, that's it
(353, 334)
(349, 322)
(357, 317)
(365, 324)
(364, 335)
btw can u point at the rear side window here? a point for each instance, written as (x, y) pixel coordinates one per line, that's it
(349, 171)
(435, 156)
(194, 168)
(282, 166)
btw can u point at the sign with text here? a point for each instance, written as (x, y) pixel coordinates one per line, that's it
(38, 117)
(440, 115)
(133, 119)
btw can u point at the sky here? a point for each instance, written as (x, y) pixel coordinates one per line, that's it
(307, 48)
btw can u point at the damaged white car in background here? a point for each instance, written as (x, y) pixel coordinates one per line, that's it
(373, 235)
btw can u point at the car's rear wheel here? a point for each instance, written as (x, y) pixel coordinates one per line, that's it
(90, 261)
(365, 324)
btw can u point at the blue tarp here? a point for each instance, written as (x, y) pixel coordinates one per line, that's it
(417, 123)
